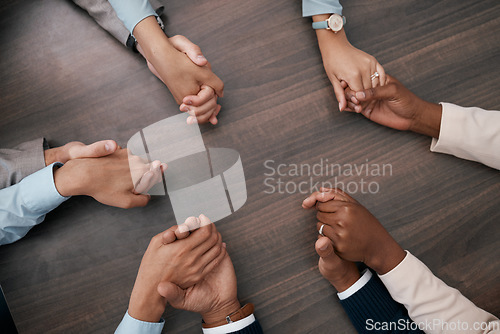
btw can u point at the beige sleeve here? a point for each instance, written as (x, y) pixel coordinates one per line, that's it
(21, 161)
(469, 133)
(433, 305)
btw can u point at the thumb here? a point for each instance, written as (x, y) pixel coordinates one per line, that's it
(138, 200)
(193, 51)
(96, 150)
(378, 93)
(324, 247)
(172, 293)
(339, 93)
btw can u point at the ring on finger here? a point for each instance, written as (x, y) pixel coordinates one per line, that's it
(321, 230)
(374, 75)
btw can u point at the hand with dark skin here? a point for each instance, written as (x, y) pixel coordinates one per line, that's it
(356, 234)
(339, 272)
(214, 297)
(177, 257)
(394, 106)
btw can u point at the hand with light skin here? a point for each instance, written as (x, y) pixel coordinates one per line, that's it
(214, 297)
(76, 150)
(344, 62)
(181, 66)
(184, 260)
(107, 179)
(356, 234)
(395, 106)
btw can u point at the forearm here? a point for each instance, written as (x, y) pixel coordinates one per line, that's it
(368, 304)
(329, 40)
(469, 133)
(146, 305)
(221, 312)
(428, 120)
(385, 256)
(25, 205)
(21, 161)
(429, 299)
(315, 7)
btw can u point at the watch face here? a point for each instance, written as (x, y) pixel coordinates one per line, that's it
(335, 22)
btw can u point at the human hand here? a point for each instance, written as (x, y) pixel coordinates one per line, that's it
(203, 106)
(107, 179)
(356, 234)
(344, 62)
(184, 76)
(76, 150)
(397, 107)
(342, 274)
(214, 297)
(183, 262)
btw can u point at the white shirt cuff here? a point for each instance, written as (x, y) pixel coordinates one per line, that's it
(232, 327)
(361, 282)
(131, 12)
(131, 325)
(39, 190)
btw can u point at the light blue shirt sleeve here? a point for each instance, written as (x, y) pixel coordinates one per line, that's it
(316, 7)
(25, 204)
(131, 325)
(131, 12)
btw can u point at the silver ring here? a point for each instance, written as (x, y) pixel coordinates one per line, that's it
(374, 75)
(321, 230)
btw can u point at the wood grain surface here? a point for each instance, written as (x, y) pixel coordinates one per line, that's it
(63, 78)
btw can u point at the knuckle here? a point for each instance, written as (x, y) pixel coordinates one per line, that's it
(205, 232)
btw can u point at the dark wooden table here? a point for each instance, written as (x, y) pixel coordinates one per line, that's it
(64, 78)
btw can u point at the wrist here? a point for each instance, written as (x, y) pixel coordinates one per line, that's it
(346, 281)
(147, 306)
(66, 183)
(220, 313)
(330, 42)
(386, 258)
(153, 40)
(428, 120)
(57, 154)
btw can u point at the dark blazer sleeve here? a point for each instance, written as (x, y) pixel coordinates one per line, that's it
(372, 306)
(253, 328)
(21, 161)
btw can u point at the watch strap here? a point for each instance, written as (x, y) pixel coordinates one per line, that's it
(320, 25)
(243, 312)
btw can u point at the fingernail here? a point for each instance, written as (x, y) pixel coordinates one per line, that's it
(360, 95)
(224, 244)
(201, 57)
(340, 107)
(324, 247)
(107, 147)
(189, 102)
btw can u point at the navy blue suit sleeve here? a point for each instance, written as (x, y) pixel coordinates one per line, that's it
(253, 328)
(372, 310)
